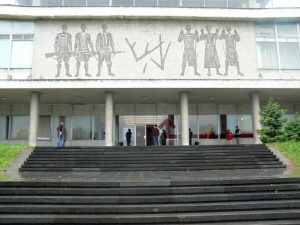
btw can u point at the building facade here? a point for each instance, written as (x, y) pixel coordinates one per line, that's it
(104, 67)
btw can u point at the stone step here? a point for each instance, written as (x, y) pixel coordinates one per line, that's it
(148, 208)
(158, 218)
(146, 199)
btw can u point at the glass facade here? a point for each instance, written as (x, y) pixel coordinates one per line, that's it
(277, 46)
(167, 3)
(16, 44)
(20, 127)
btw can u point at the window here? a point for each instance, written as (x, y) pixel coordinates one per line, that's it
(20, 128)
(3, 127)
(49, 3)
(82, 128)
(122, 2)
(98, 2)
(99, 128)
(24, 2)
(145, 2)
(16, 44)
(245, 125)
(238, 4)
(288, 46)
(74, 2)
(169, 3)
(216, 3)
(44, 128)
(208, 126)
(266, 46)
(193, 124)
(278, 50)
(193, 3)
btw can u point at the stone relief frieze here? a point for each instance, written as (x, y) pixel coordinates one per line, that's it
(78, 53)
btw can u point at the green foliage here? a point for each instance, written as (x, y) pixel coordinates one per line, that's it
(272, 123)
(291, 150)
(8, 153)
(292, 129)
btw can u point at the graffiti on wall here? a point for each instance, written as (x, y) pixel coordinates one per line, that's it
(103, 51)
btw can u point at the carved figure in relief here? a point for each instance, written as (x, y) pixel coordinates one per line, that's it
(211, 59)
(105, 49)
(230, 52)
(83, 50)
(189, 53)
(62, 50)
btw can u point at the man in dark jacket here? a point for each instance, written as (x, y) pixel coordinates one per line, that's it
(61, 134)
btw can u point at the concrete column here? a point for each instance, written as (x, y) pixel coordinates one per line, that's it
(184, 115)
(109, 118)
(34, 117)
(255, 109)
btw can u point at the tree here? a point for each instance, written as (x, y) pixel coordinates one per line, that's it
(292, 129)
(272, 122)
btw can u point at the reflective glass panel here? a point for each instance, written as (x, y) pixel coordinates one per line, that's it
(238, 3)
(193, 3)
(167, 3)
(24, 2)
(287, 30)
(74, 2)
(289, 55)
(50, 2)
(122, 2)
(98, 2)
(20, 127)
(3, 127)
(145, 2)
(81, 128)
(193, 124)
(208, 126)
(4, 53)
(44, 127)
(216, 3)
(267, 55)
(245, 126)
(99, 128)
(22, 52)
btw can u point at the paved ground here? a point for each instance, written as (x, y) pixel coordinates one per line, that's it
(13, 174)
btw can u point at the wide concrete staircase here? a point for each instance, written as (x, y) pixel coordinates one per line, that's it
(273, 201)
(171, 158)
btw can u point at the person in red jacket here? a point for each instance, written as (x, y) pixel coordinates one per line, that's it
(229, 136)
(155, 135)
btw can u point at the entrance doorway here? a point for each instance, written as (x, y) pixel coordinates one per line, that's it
(149, 128)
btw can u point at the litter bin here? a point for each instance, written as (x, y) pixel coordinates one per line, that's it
(120, 143)
(197, 143)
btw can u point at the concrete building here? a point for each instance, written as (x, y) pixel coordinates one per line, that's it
(106, 66)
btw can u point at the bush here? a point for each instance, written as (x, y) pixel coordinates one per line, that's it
(272, 123)
(292, 129)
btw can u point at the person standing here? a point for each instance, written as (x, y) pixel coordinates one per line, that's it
(155, 135)
(61, 134)
(163, 137)
(229, 136)
(237, 134)
(128, 137)
(190, 136)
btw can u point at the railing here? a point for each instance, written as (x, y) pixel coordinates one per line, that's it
(159, 3)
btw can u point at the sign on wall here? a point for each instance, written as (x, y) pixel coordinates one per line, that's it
(143, 50)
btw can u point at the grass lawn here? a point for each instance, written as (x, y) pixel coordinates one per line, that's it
(8, 154)
(291, 150)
